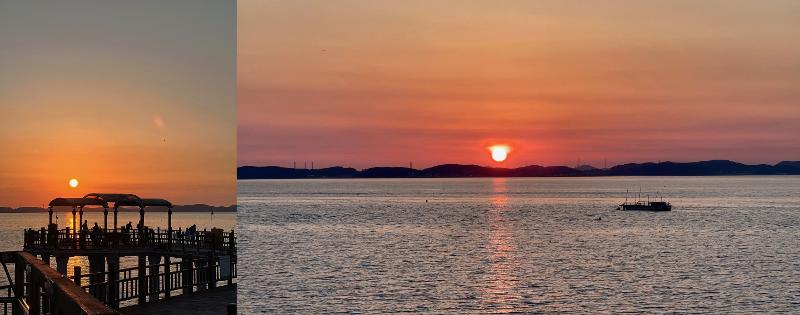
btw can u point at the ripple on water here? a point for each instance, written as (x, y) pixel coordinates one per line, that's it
(518, 245)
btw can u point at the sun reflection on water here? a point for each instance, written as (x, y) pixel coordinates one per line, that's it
(500, 293)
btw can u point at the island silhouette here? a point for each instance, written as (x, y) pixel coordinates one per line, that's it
(700, 168)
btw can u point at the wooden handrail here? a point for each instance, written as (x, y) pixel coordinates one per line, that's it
(59, 294)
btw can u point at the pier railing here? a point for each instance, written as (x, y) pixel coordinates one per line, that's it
(38, 289)
(215, 240)
(7, 298)
(147, 283)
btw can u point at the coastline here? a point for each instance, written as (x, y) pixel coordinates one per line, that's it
(701, 168)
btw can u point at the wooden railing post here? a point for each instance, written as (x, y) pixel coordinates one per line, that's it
(142, 272)
(154, 262)
(96, 269)
(61, 264)
(112, 295)
(167, 277)
(19, 284)
(33, 296)
(230, 268)
(186, 269)
(212, 271)
(232, 242)
(76, 271)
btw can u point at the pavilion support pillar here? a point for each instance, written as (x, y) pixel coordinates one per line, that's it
(80, 222)
(169, 227)
(141, 217)
(96, 265)
(74, 225)
(50, 215)
(142, 272)
(116, 209)
(61, 264)
(79, 229)
(105, 218)
(155, 262)
(112, 294)
(46, 259)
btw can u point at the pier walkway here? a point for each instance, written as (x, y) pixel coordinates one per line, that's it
(210, 302)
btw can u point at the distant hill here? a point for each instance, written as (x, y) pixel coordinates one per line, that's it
(387, 172)
(176, 208)
(702, 168)
(788, 167)
(586, 167)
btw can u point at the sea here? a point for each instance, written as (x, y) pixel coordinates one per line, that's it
(519, 245)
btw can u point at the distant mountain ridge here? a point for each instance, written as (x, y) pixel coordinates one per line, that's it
(701, 168)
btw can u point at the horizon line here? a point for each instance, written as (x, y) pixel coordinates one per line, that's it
(512, 167)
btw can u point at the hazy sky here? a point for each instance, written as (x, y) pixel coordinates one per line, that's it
(366, 83)
(125, 96)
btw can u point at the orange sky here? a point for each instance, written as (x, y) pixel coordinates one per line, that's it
(130, 97)
(368, 83)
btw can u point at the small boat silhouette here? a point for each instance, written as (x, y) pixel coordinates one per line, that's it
(645, 205)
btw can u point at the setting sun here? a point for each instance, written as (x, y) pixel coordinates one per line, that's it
(73, 183)
(499, 152)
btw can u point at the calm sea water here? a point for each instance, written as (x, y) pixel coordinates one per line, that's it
(731, 244)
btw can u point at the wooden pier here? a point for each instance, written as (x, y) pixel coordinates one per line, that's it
(169, 262)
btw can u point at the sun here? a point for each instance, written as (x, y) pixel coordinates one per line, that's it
(73, 183)
(499, 152)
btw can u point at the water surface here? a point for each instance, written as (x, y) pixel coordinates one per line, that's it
(731, 244)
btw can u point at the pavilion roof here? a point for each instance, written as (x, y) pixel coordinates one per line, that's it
(77, 202)
(103, 199)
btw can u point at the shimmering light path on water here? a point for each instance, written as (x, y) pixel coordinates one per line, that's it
(519, 245)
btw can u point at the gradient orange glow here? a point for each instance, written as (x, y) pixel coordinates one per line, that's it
(370, 83)
(144, 104)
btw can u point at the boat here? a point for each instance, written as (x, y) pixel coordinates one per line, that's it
(645, 205)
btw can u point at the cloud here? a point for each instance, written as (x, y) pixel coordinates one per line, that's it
(158, 122)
